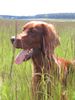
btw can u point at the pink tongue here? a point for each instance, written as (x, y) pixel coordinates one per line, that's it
(20, 57)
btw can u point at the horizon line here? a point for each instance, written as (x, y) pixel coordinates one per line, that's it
(37, 14)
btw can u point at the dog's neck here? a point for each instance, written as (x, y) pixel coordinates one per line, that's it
(42, 61)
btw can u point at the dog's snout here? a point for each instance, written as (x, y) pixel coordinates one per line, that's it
(12, 39)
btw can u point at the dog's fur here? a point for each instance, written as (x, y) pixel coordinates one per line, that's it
(43, 39)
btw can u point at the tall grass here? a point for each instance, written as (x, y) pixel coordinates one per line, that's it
(15, 80)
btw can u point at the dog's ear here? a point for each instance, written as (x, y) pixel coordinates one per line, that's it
(50, 38)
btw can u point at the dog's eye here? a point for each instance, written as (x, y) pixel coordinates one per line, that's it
(31, 29)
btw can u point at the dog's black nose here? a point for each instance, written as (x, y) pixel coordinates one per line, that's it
(12, 39)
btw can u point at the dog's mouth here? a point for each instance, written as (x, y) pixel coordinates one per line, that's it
(24, 55)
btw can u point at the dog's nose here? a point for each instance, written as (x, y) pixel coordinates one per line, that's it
(12, 39)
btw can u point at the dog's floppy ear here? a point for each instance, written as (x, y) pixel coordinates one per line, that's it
(50, 39)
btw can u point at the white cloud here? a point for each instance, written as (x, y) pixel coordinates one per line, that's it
(30, 7)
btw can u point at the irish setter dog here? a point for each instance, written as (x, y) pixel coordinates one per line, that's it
(38, 41)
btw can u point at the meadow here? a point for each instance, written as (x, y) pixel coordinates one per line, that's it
(15, 80)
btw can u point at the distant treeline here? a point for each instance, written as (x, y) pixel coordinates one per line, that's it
(51, 16)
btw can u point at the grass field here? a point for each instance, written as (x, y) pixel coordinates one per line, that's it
(15, 80)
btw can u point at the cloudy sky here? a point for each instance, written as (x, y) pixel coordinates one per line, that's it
(33, 7)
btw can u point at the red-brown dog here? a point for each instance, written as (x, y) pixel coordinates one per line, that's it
(38, 41)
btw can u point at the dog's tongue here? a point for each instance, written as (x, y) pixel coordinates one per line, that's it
(20, 57)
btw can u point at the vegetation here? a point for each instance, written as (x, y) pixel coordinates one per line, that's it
(15, 80)
(51, 16)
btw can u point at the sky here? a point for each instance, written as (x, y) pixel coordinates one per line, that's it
(34, 7)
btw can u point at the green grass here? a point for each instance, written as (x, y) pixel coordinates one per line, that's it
(15, 80)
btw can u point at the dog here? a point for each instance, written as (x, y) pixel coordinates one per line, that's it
(38, 41)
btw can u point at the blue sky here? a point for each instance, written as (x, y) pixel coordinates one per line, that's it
(33, 7)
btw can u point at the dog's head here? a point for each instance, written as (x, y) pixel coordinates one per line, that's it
(36, 36)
